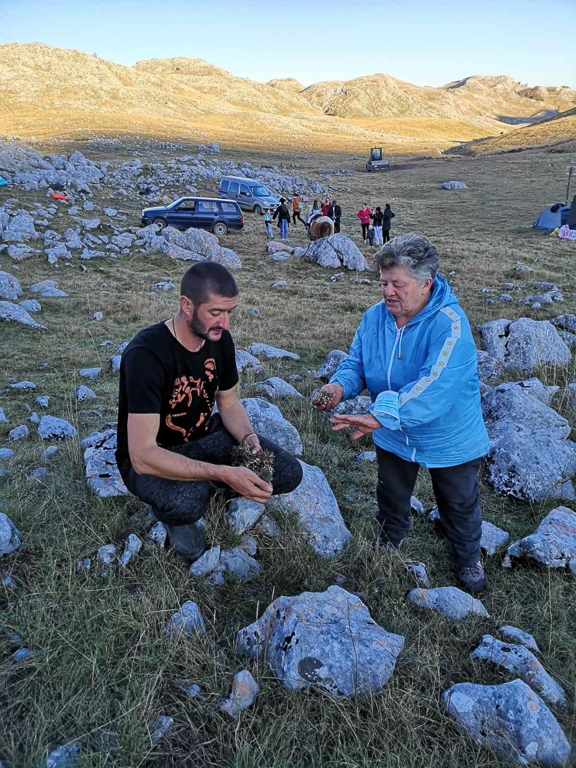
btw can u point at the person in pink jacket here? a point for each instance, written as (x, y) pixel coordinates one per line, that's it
(364, 215)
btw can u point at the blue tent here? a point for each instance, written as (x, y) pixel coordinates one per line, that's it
(3, 182)
(552, 217)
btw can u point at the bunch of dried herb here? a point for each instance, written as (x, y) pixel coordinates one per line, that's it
(261, 463)
(323, 397)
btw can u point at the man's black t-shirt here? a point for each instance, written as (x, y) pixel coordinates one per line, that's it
(159, 375)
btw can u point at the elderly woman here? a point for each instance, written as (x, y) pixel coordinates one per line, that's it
(415, 353)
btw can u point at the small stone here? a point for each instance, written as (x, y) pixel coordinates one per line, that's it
(83, 393)
(448, 601)
(30, 305)
(492, 538)
(271, 353)
(369, 456)
(9, 536)
(192, 689)
(418, 571)
(6, 453)
(64, 757)
(115, 361)
(18, 433)
(132, 547)
(89, 373)
(279, 284)
(53, 428)
(254, 311)
(244, 690)
(239, 564)
(161, 728)
(38, 473)
(416, 506)
(42, 400)
(98, 316)
(519, 636)
(52, 450)
(21, 654)
(24, 385)
(187, 620)
(83, 565)
(157, 535)
(48, 289)
(107, 554)
(244, 514)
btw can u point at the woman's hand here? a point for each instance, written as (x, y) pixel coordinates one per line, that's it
(337, 392)
(362, 425)
(253, 443)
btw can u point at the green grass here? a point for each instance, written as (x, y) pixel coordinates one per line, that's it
(101, 670)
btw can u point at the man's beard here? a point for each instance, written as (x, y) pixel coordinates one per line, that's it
(197, 327)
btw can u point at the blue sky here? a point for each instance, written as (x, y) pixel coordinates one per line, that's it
(427, 43)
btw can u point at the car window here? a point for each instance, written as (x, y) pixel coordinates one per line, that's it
(224, 185)
(233, 187)
(207, 206)
(187, 205)
(229, 208)
(244, 190)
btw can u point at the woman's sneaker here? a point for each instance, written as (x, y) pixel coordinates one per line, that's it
(472, 578)
(187, 540)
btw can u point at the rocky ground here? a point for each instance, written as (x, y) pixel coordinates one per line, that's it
(112, 651)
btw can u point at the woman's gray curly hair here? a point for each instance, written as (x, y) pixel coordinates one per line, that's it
(410, 251)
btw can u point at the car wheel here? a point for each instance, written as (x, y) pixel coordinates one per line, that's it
(258, 210)
(159, 221)
(220, 228)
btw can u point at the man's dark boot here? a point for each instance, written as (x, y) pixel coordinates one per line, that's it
(472, 578)
(187, 540)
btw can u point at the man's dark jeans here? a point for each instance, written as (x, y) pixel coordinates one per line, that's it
(177, 502)
(457, 495)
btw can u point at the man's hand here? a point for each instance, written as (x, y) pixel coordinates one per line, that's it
(362, 425)
(337, 393)
(247, 484)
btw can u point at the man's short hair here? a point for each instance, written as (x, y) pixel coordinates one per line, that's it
(205, 278)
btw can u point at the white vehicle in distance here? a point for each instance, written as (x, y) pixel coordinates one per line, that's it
(250, 194)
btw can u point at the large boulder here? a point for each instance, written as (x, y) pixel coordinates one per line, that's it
(331, 364)
(525, 344)
(553, 543)
(267, 420)
(102, 474)
(530, 457)
(197, 245)
(523, 664)
(15, 313)
(54, 428)
(323, 639)
(510, 718)
(337, 251)
(10, 288)
(318, 512)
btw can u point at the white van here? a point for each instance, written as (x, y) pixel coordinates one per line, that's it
(250, 194)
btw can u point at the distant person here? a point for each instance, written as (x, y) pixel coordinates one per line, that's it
(297, 209)
(371, 235)
(313, 210)
(283, 215)
(325, 205)
(173, 452)
(364, 215)
(387, 222)
(268, 225)
(377, 219)
(337, 213)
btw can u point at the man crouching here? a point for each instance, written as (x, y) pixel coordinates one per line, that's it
(172, 452)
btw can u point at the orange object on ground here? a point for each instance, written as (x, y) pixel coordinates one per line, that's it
(58, 197)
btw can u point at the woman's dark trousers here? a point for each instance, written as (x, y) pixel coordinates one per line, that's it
(177, 502)
(365, 231)
(457, 495)
(385, 235)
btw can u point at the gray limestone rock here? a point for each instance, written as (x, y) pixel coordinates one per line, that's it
(448, 601)
(157, 535)
(337, 251)
(10, 288)
(418, 571)
(30, 305)
(369, 456)
(57, 252)
(114, 362)
(83, 393)
(102, 473)
(453, 185)
(64, 756)
(43, 400)
(330, 364)
(187, 620)
(512, 719)
(243, 514)
(324, 639)
(530, 457)
(566, 322)
(317, 511)
(132, 547)
(238, 563)
(523, 664)
(568, 338)
(489, 368)
(274, 247)
(23, 224)
(267, 420)
(532, 387)
(246, 361)
(6, 453)
(123, 240)
(525, 344)
(53, 428)
(14, 313)
(553, 543)
(192, 689)
(89, 373)
(9, 536)
(107, 554)
(519, 636)
(3, 418)
(48, 289)
(209, 562)
(161, 728)
(242, 695)
(277, 388)
(492, 538)
(90, 223)
(19, 433)
(271, 353)
(24, 385)
(52, 450)
(279, 284)
(417, 506)
(164, 285)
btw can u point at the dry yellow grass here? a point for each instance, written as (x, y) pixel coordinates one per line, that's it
(557, 130)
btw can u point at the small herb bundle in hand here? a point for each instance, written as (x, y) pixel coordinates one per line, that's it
(323, 397)
(261, 463)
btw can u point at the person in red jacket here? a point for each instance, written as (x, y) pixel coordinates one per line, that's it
(364, 215)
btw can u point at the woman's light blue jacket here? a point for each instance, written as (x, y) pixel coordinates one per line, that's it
(423, 381)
